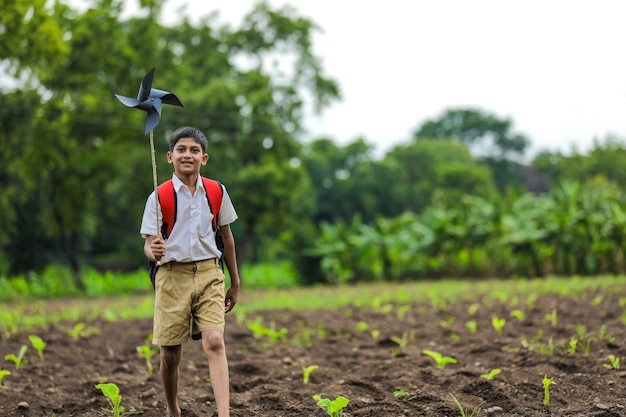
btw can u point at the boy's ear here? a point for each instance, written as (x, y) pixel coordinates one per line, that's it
(205, 158)
(169, 157)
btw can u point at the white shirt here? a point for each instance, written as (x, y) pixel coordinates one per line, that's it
(192, 238)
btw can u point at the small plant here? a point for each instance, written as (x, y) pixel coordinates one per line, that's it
(3, 373)
(18, 359)
(447, 321)
(472, 309)
(552, 317)
(401, 342)
(112, 392)
(147, 352)
(79, 330)
(613, 362)
(400, 393)
(472, 326)
(464, 413)
(546, 390)
(441, 360)
(518, 314)
(498, 324)
(362, 326)
(375, 334)
(572, 345)
(306, 372)
(38, 344)
(273, 335)
(491, 375)
(333, 408)
(402, 311)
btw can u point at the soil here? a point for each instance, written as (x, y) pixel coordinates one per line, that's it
(267, 380)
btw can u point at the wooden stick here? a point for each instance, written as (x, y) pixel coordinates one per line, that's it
(154, 180)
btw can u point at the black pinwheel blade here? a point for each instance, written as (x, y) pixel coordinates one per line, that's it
(166, 97)
(154, 115)
(150, 100)
(146, 86)
(127, 101)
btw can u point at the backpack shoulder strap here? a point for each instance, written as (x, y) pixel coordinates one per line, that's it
(214, 194)
(167, 200)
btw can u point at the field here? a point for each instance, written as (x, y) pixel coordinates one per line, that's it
(369, 350)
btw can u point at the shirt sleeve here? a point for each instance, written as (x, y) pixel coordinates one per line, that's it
(227, 210)
(149, 225)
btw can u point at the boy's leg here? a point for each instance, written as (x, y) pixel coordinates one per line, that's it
(170, 359)
(215, 351)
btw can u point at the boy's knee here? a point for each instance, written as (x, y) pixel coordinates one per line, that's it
(213, 341)
(170, 356)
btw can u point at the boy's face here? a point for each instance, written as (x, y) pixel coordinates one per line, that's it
(187, 157)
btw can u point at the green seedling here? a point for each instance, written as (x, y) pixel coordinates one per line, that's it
(18, 360)
(362, 326)
(572, 345)
(3, 373)
(439, 359)
(333, 408)
(401, 342)
(400, 393)
(546, 390)
(518, 314)
(447, 321)
(112, 392)
(306, 373)
(498, 324)
(613, 362)
(273, 335)
(464, 413)
(472, 326)
(79, 330)
(491, 375)
(597, 300)
(472, 309)
(375, 334)
(38, 344)
(402, 311)
(146, 351)
(552, 318)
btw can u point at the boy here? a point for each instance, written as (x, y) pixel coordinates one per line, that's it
(189, 285)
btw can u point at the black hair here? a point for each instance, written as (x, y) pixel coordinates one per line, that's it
(188, 132)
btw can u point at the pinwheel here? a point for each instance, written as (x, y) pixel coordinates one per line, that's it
(151, 101)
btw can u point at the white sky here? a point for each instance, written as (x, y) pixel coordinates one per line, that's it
(557, 68)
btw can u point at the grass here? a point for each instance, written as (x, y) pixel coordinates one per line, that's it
(27, 314)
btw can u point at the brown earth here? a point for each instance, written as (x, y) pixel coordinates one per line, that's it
(268, 380)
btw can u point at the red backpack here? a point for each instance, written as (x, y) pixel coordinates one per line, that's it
(169, 206)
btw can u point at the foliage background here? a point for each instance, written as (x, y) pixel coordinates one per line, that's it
(458, 199)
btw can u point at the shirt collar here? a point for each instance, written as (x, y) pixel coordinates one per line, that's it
(178, 183)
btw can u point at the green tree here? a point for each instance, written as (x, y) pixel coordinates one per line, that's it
(489, 137)
(92, 159)
(426, 168)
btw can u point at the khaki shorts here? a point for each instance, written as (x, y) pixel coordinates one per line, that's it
(187, 291)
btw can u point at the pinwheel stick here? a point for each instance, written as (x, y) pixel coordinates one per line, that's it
(155, 183)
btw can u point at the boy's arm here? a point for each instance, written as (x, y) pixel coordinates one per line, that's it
(154, 248)
(230, 258)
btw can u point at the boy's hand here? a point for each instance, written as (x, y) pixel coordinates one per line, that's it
(231, 299)
(157, 246)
